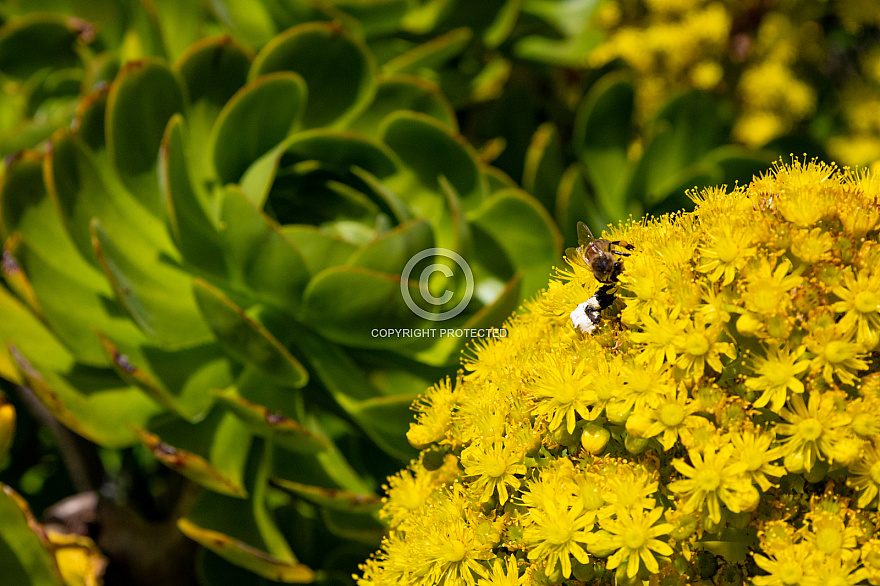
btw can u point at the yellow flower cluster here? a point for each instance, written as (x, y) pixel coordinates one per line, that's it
(727, 405)
(765, 55)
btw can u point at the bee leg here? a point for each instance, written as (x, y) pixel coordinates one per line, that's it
(624, 244)
(585, 318)
(604, 296)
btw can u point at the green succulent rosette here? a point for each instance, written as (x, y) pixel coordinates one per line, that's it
(201, 262)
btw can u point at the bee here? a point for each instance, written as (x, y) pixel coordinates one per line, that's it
(598, 254)
(601, 257)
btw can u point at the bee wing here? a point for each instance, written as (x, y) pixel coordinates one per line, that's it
(576, 257)
(585, 237)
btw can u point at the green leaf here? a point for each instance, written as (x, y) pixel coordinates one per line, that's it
(429, 149)
(354, 526)
(243, 531)
(385, 198)
(186, 208)
(503, 24)
(47, 261)
(24, 550)
(346, 303)
(404, 92)
(181, 23)
(104, 414)
(338, 69)
(325, 469)
(338, 151)
(83, 191)
(156, 293)
(39, 40)
(385, 420)
(432, 54)
(601, 137)
(212, 453)
(89, 118)
(142, 99)
(447, 351)
(342, 500)
(181, 380)
(258, 117)
(246, 340)
(354, 392)
(250, 20)
(526, 233)
(320, 248)
(574, 204)
(424, 16)
(685, 130)
(213, 69)
(544, 165)
(259, 258)
(376, 17)
(273, 426)
(390, 251)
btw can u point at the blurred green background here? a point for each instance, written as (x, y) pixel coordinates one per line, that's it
(206, 209)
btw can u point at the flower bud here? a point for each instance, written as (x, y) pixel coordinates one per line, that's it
(638, 423)
(794, 463)
(747, 325)
(594, 438)
(635, 445)
(602, 546)
(617, 412)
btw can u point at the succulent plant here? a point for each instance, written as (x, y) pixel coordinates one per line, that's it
(201, 263)
(720, 425)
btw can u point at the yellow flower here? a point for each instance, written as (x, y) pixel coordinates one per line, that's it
(727, 252)
(871, 560)
(434, 415)
(495, 466)
(644, 385)
(752, 447)
(778, 372)
(629, 487)
(452, 553)
(815, 428)
(811, 246)
(865, 475)
(713, 478)
(673, 413)
(835, 357)
(503, 573)
(658, 335)
(634, 536)
(865, 415)
(785, 566)
(767, 287)
(860, 303)
(408, 491)
(829, 535)
(701, 344)
(563, 386)
(556, 532)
